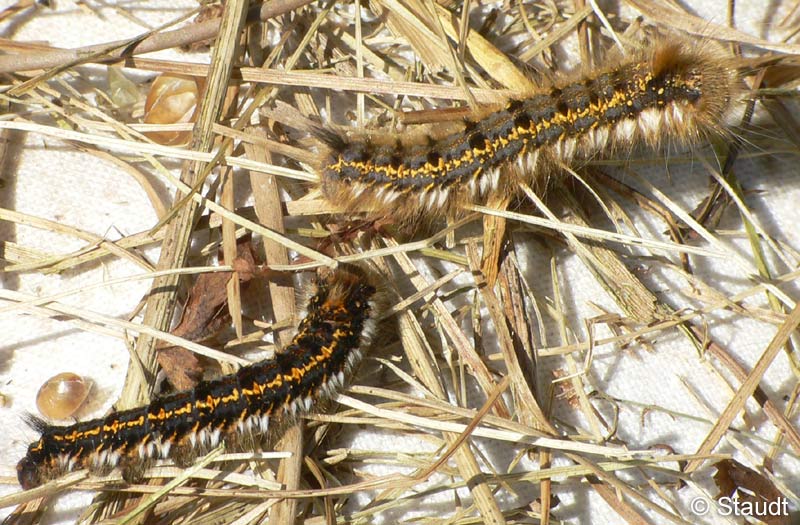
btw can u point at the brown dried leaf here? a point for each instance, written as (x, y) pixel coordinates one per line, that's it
(208, 297)
(752, 490)
(204, 316)
(181, 366)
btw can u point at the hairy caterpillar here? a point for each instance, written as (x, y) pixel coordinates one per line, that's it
(671, 91)
(339, 323)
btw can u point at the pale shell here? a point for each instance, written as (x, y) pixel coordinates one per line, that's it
(62, 395)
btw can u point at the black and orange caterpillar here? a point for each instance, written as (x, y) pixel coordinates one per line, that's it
(669, 91)
(340, 322)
